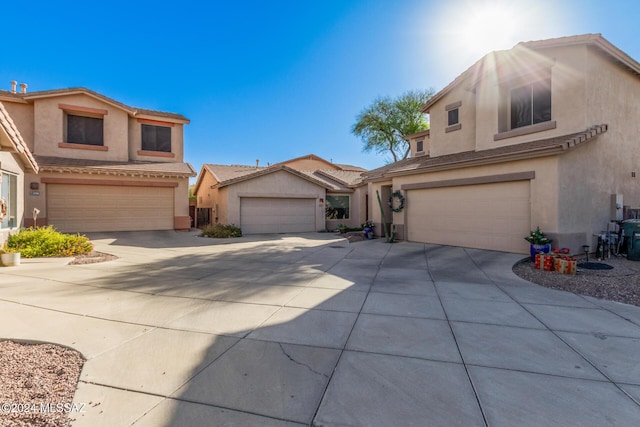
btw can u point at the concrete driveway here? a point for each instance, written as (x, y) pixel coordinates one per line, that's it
(309, 329)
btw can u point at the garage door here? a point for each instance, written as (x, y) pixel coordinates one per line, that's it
(83, 208)
(272, 215)
(488, 216)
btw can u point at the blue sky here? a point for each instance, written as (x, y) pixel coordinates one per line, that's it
(273, 80)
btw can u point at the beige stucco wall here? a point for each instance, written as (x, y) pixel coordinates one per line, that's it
(49, 129)
(277, 184)
(442, 142)
(603, 166)
(10, 163)
(484, 110)
(135, 143)
(205, 196)
(356, 206)
(22, 116)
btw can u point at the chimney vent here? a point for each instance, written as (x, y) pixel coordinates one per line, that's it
(13, 86)
(23, 87)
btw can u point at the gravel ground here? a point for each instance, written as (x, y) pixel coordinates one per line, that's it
(621, 284)
(34, 376)
(92, 258)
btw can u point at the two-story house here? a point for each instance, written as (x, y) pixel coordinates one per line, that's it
(304, 194)
(103, 165)
(544, 134)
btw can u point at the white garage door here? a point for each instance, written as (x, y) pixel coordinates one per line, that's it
(272, 215)
(83, 208)
(487, 216)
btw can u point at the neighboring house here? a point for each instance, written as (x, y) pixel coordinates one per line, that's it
(15, 161)
(303, 194)
(103, 165)
(544, 134)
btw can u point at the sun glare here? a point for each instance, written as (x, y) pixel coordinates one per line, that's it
(486, 28)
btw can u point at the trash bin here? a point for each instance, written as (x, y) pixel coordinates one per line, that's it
(631, 228)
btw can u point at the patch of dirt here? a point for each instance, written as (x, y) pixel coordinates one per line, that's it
(621, 284)
(92, 258)
(38, 384)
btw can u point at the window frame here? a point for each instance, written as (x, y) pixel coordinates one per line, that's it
(420, 146)
(155, 148)
(537, 98)
(68, 115)
(9, 191)
(328, 206)
(453, 116)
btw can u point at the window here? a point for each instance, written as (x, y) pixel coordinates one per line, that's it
(530, 104)
(9, 192)
(453, 117)
(420, 146)
(337, 207)
(85, 130)
(156, 138)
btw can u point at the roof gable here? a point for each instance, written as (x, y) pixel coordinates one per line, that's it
(132, 111)
(471, 75)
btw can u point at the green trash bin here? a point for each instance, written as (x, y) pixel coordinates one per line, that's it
(631, 229)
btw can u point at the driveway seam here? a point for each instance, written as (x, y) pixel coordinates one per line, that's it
(455, 339)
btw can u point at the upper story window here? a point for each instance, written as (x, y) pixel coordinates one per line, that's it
(453, 116)
(156, 138)
(530, 104)
(420, 146)
(85, 130)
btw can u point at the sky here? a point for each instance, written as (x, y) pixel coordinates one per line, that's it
(275, 80)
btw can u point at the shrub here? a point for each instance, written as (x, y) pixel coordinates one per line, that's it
(46, 241)
(221, 231)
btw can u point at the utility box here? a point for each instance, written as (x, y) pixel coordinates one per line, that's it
(631, 230)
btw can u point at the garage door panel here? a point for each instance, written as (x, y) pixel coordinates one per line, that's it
(277, 215)
(85, 208)
(488, 216)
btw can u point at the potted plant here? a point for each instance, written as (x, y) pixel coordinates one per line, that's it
(9, 257)
(367, 226)
(539, 243)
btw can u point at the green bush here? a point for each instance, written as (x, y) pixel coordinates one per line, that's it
(221, 231)
(46, 241)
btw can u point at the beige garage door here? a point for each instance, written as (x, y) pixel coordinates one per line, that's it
(272, 215)
(83, 208)
(487, 216)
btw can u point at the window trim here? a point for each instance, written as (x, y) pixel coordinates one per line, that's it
(86, 115)
(418, 148)
(12, 200)
(525, 130)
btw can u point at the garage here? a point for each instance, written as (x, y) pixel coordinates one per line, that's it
(493, 216)
(85, 208)
(260, 215)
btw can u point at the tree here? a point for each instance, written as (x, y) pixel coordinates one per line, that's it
(387, 121)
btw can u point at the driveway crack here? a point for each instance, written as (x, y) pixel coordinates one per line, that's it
(300, 363)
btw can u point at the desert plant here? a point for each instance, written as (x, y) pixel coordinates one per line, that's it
(221, 231)
(48, 242)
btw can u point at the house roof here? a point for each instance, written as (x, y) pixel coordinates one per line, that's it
(527, 150)
(17, 144)
(269, 170)
(133, 111)
(102, 167)
(595, 40)
(339, 178)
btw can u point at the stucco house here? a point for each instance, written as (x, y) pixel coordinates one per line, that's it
(15, 161)
(544, 134)
(303, 194)
(103, 165)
